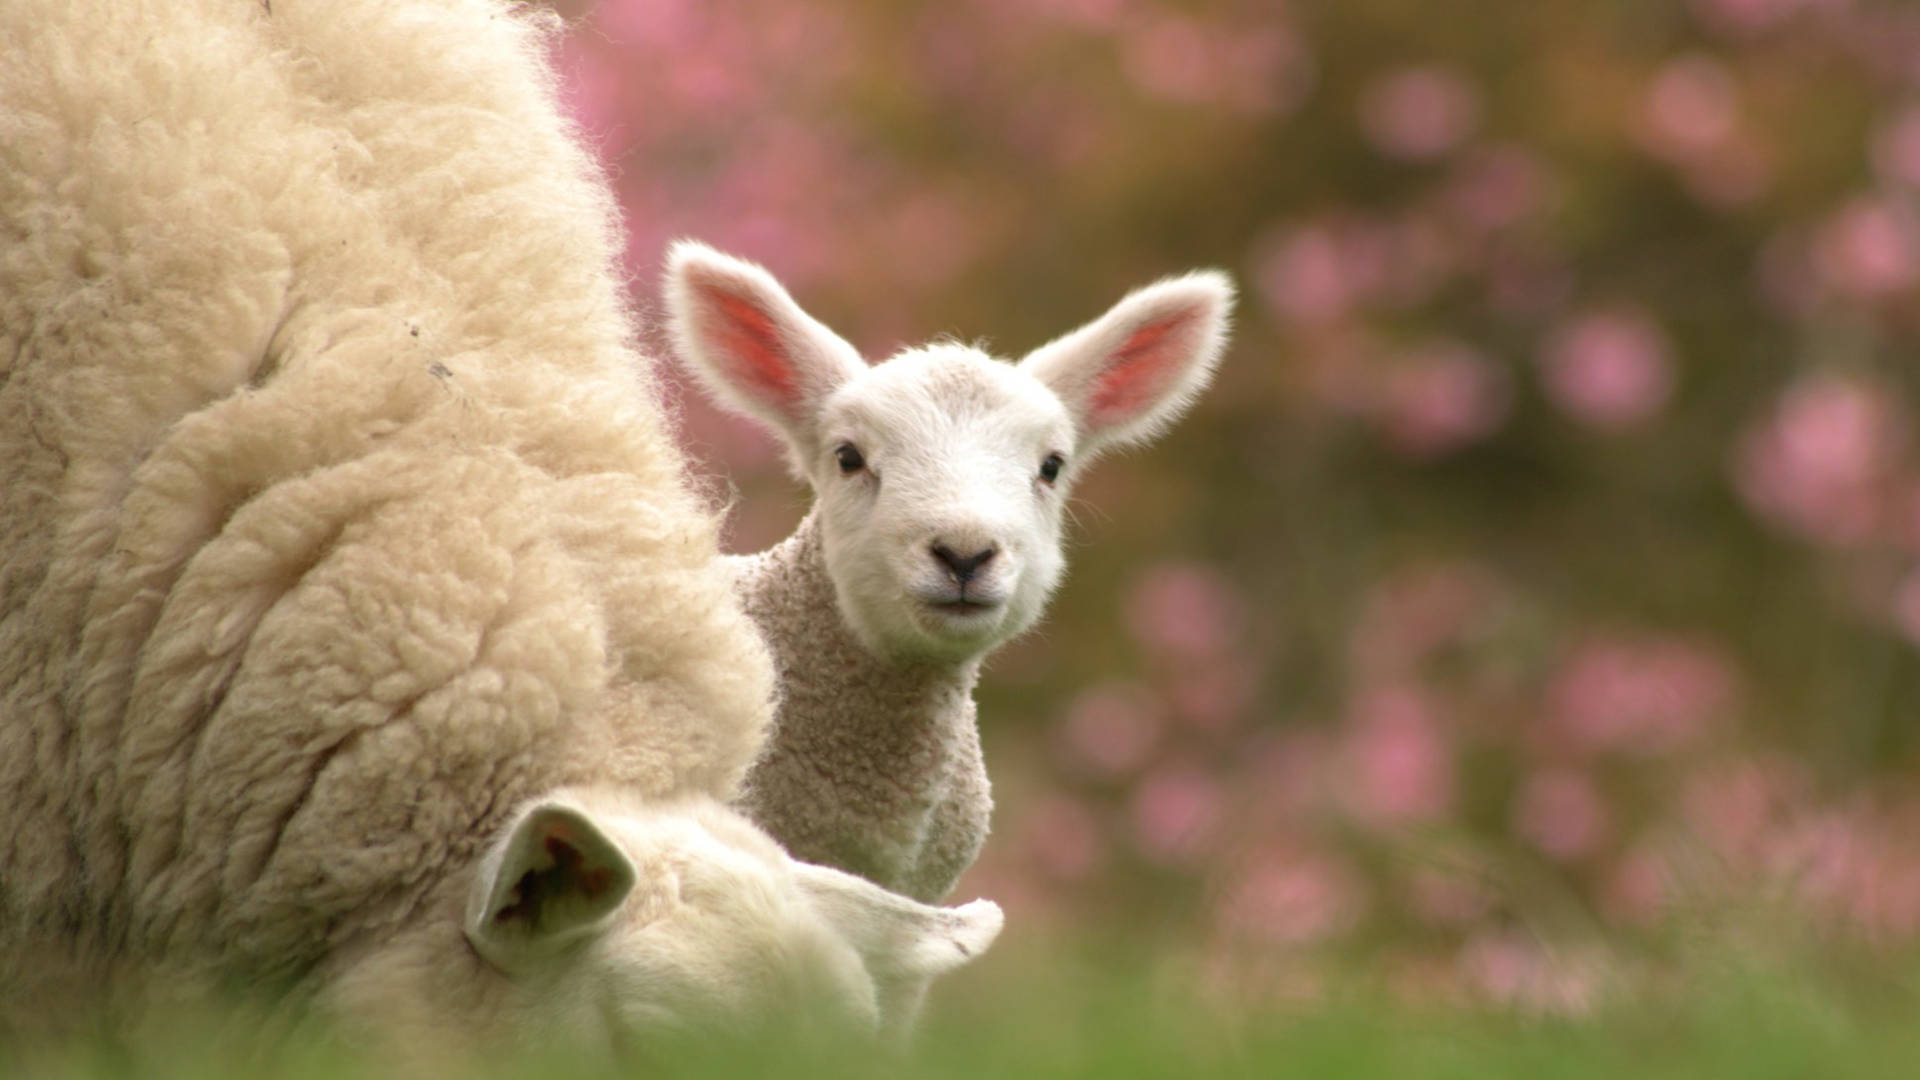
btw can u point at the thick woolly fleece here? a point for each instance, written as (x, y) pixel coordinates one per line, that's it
(873, 763)
(337, 516)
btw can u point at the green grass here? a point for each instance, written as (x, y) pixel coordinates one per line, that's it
(1073, 1020)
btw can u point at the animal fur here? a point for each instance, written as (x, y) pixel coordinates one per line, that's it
(940, 477)
(338, 522)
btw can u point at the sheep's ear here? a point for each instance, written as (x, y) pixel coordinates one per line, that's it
(1128, 374)
(555, 878)
(750, 346)
(901, 940)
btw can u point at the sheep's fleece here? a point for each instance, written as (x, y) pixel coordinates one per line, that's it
(338, 519)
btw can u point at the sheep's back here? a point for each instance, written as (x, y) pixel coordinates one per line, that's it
(336, 511)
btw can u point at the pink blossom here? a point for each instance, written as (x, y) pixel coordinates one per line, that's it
(1896, 148)
(1513, 971)
(1867, 249)
(1112, 729)
(1442, 397)
(1178, 812)
(1818, 462)
(1561, 812)
(1413, 612)
(1744, 16)
(1637, 888)
(590, 90)
(1648, 696)
(1281, 900)
(1172, 57)
(1212, 694)
(1906, 607)
(1417, 114)
(1063, 837)
(1447, 900)
(1497, 187)
(1258, 68)
(1304, 276)
(1732, 807)
(1691, 108)
(1184, 612)
(1608, 369)
(1401, 766)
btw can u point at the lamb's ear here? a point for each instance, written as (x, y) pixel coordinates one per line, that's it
(1128, 374)
(901, 940)
(748, 343)
(555, 878)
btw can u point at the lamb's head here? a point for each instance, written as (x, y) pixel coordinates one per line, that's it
(941, 475)
(687, 917)
(596, 919)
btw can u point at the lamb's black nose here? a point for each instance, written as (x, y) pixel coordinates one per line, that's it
(963, 567)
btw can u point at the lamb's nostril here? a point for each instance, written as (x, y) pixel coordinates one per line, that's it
(963, 567)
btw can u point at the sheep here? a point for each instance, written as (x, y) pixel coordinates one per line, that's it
(940, 478)
(361, 638)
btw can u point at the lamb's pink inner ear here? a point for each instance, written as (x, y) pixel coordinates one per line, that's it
(1141, 369)
(747, 339)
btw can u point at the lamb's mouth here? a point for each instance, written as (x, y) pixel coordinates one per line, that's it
(964, 607)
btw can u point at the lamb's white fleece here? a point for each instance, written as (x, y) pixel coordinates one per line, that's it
(337, 517)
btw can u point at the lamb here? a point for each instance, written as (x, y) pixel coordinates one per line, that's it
(360, 638)
(940, 478)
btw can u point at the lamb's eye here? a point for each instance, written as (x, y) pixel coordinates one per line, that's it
(1050, 468)
(848, 455)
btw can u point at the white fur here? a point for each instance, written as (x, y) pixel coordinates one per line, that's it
(339, 523)
(873, 764)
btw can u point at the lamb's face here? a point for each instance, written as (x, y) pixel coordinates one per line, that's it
(941, 478)
(598, 920)
(941, 472)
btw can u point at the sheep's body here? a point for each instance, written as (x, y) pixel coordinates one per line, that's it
(337, 518)
(940, 478)
(873, 764)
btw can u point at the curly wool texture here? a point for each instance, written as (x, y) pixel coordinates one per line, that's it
(873, 764)
(337, 516)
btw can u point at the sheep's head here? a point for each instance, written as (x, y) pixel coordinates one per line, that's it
(610, 919)
(942, 473)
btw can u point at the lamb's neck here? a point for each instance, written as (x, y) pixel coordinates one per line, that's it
(824, 667)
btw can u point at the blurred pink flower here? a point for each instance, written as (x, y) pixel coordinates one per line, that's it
(1259, 68)
(1178, 813)
(1561, 812)
(1609, 369)
(1515, 972)
(1734, 174)
(1733, 806)
(1498, 186)
(1213, 694)
(1412, 612)
(1867, 249)
(1896, 148)
(1087, 14)
(1112, 729)
(1818, 462)
(1691, 109)
(1648, 696)
(1906, 607)
(1184, 612)
(1171, 57)
(1289, 900)
(1063, 837)
(1637, 889)
(1401, 766)
(1303, 274)
(1742, 15)
(1442, 397)
(1421, 113)
(1446, 899)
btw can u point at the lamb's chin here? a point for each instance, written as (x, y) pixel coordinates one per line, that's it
(958, 629)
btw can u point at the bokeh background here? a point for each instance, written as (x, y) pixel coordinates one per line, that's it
(1534, 592)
